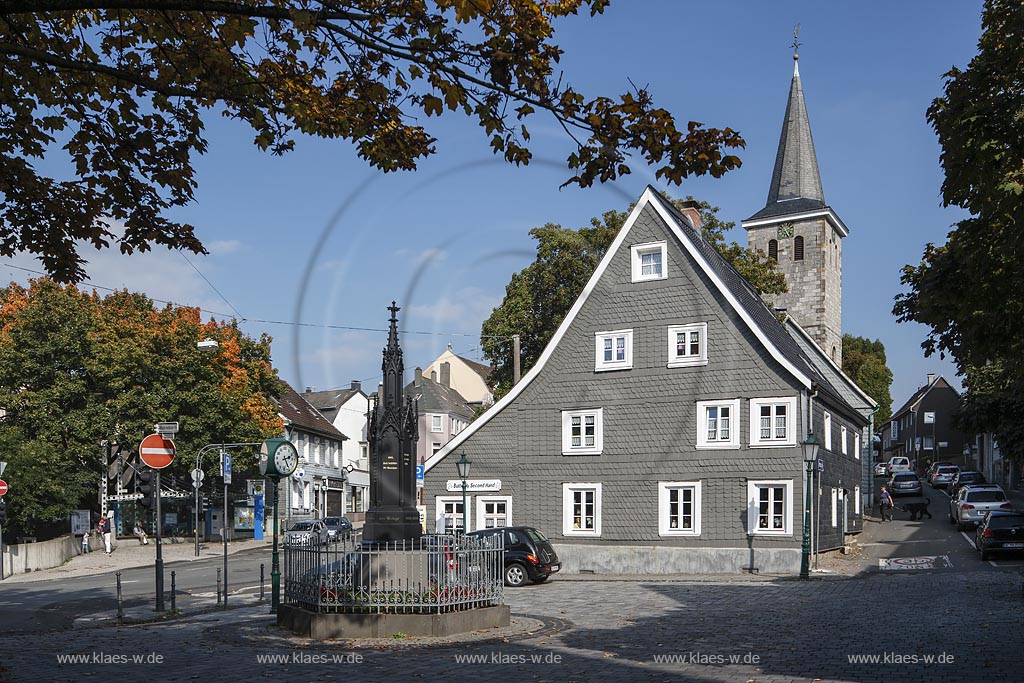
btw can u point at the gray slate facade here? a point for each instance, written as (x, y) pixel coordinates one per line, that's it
(650, 423)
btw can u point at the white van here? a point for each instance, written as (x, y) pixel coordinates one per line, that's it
(898, 463)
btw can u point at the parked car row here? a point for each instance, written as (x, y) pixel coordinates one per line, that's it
(1001, 531)
(317, 531)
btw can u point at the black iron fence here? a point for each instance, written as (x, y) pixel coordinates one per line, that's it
(433, 575)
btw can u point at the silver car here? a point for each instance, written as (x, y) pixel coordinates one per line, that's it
(944, 475)
(904, 484)
(310, 532)
(971, 503)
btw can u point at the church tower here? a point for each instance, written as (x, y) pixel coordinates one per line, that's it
(801, 232)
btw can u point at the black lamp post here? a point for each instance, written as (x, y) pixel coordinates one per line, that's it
(810, 450)
(463, 467)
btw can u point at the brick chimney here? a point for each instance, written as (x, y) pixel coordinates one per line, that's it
(357, 385)
(417, 377)
(690, 210)
(446, 374)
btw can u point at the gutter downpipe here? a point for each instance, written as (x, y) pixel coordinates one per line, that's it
(815, 492)
(868, 490)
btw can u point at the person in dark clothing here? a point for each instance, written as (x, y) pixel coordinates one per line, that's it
(885, 504)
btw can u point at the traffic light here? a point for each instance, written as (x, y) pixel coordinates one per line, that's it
(3, 512)
(146, 488)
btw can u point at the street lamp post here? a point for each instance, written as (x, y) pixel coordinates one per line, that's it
(810, 452)
(463, 467)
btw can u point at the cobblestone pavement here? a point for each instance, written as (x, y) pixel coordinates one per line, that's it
(754, 631)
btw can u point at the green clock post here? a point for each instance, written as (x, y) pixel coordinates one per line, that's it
(278, 459)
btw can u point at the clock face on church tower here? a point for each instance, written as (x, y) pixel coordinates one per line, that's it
(785, 231)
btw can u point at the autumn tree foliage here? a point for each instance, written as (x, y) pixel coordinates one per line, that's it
(969, 292)
(120, 90)
(77, 368)
(538, 297)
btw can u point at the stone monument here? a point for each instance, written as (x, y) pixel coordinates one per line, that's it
(392, 435)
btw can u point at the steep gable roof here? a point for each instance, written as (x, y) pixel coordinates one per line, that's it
(938, 383)
(295, 410)
(827, 369)
(328, 403)
(434, 397)
(733, 287)
(479, 368)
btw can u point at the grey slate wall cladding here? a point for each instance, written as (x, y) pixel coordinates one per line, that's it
(649, 415)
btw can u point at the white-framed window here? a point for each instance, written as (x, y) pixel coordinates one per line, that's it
(679, 508)
(718, 424)
(687, 345)
(435, 423)
(770, 507)
(835, 506)
(434, 448)
(581, 431)
(842, 439)
(613, 350)
(581, 509)
(449, 514)
(856, 500)
(773, 422)
(649, 261)
(928, 443)
(493, 511)
(856, 445)
(828, 431)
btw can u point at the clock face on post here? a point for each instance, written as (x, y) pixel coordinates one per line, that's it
(286, 458)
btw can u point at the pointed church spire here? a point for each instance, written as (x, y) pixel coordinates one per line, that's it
(796, 165)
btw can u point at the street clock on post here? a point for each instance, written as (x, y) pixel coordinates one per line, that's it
(278, 458)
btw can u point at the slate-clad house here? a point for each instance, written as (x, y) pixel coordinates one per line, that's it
(659, 431)
(924, 428)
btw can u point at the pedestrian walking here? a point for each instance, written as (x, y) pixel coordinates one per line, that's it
(141, 534)
(85, 542)
(885, 504)
(104, 530)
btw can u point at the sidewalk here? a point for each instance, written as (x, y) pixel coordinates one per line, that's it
(128, 553)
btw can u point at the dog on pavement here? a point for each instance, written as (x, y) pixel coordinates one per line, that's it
(917, 510)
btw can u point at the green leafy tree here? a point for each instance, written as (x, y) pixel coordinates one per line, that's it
(122, 88)
(969, 292)
(538, 297)
(76, 369)
(864, 362)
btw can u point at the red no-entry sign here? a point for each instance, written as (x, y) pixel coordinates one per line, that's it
(3, 487)
(156, 451)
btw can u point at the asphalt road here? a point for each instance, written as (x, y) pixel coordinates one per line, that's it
(54, 604)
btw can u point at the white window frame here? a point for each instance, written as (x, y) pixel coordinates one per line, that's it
(753, 507)
(734, 424)
(481, 503)
(835, 507)
(439, 514)
(600, 364)
(637, 252)
(688, 360)
(828, 431)
(567, 447)
(856, 500)
(755, 422)
(436, 424)
(567, 508)
(856, 445)
(664, 487)
(842, 439)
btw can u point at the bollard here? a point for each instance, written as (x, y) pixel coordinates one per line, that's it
(173, 591)
(218, 585)
(120, 607)
(261, 581)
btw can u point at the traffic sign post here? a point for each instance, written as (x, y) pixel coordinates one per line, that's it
(225, 470)
(3, 487)
(156, 451)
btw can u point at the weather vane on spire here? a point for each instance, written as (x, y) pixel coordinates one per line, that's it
(796, 42)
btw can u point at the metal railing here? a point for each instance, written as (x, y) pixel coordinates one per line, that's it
(434, 575)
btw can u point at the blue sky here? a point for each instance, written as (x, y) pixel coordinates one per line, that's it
(314, 241)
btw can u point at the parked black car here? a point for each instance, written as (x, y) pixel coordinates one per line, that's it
(1002, 531)
(528, 554)
(962, 479)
